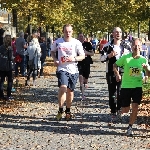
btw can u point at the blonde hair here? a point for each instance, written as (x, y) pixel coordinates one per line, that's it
(67, 25)
(136, 39)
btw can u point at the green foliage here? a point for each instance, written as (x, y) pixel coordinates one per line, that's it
(85, 15)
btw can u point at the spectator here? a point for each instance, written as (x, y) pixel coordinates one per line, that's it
(13, 44)
(6, 57)
(34, 53)
(1, 34)
(20, 53)
(43, 53)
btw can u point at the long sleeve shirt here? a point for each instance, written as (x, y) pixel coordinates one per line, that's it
(124, 49)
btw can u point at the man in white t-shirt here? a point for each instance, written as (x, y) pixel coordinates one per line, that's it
(110, 54)
(66, 52)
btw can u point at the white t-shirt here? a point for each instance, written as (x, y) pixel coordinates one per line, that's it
(67, 49)
(118, 50)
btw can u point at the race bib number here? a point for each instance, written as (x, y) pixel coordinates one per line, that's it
(65, 59)
(135, 72)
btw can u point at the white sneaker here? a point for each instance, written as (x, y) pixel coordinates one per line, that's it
(34, 83)
(129, 131)
(83, 97)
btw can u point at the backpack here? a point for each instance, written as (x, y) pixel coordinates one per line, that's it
(18, 59)
(5, 61)
(31, 62)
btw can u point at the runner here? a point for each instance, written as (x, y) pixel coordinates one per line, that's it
(84, 65)
(131, 86)
(66, 59)
(110, 54)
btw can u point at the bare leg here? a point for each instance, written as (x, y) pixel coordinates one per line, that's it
(133, 115)
(62, 95)
(125, 109)
(85, 82)
(69, 98)
(81, 80)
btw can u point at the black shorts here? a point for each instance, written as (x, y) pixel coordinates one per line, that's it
(68, 79)
(126, 94)
(84, 70)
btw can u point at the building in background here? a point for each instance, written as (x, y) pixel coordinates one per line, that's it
(5, 21)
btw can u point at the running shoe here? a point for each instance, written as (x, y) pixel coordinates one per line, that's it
(129, 131)
(68, 116)
(85, 86)
(59, 115)
(10, 98)
(83, 97)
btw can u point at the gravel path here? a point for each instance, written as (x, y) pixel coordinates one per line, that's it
(32, 125)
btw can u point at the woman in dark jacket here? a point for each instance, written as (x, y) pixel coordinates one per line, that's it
(6, 57)
(43, 53)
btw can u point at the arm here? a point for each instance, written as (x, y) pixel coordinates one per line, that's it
(147, 69)
(53, 54)
(80, 52)
(90, 53)
(119, 63)
(104, 56)
(116, 72)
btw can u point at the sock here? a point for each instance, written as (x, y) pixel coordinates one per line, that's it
(61, 110)
(67, 110)
(130, 125)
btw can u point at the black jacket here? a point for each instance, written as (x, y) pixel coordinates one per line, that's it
(43, 50)
(110, 61)
(6, 57)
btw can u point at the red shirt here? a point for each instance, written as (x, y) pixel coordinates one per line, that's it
(102, 43)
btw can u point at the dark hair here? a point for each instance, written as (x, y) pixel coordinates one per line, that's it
(81, 33)
(13, 38)
(7, 41)
(125, 35)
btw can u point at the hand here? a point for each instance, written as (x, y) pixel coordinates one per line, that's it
(56, 63)
(112, 54)
(86, 52)
(71, 58)
(145, 66)
(118, 78)
(67, 59)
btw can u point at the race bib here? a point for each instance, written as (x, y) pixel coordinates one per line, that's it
(65, 59)
(135, 72)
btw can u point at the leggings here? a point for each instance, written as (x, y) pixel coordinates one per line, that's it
(113, 87)
(7, 74)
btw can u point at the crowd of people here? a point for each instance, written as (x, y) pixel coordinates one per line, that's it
(21, 58)
(126, 65)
